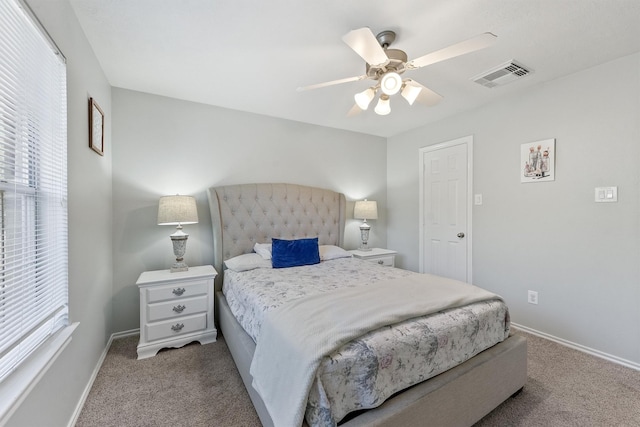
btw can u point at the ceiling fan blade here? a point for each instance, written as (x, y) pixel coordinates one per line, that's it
(426, 95)
(467, 46)
(354, 111)
(331, 83)
(365, 44)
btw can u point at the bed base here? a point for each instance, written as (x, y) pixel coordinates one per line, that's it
(460, 396)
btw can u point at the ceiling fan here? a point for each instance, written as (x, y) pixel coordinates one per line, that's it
(385, 66)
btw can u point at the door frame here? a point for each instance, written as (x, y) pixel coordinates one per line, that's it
(468, 141)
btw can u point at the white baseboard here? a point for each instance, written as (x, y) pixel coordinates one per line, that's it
(123, 334)
(584, 349)
(87, 388)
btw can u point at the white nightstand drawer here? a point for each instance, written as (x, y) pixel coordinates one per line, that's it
(384, 257)
(387, 261)
(177, 290)
(179, 307)
(175, 327)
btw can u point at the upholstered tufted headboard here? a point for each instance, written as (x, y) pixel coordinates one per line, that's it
(245, 214)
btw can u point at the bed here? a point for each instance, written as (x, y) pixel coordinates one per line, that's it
(243, 215)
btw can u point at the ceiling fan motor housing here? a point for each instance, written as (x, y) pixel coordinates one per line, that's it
(397, 61)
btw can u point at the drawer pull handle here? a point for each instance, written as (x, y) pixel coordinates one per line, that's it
(178, 291)
(177, 327)
(380, 262)
(179, 308)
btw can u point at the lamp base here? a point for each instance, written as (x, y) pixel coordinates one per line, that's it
(179, 240)
(364, 236)
(179, 266)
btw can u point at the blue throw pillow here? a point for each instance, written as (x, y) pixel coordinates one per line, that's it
(293, 253)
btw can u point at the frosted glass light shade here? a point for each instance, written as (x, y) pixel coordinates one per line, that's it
(366, 209)
(390, 83)
(363, 99)
(383, 107)
(410, 92)
(174, 210)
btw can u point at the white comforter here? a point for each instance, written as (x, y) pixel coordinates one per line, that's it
(296, 336)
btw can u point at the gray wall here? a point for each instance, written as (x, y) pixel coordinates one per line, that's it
(581, 256)
(166, 146)
(55, 398)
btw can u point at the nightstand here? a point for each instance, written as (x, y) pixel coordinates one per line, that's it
(380, 256)
(175, 309)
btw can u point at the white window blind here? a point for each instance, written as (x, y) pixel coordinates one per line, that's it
(33, 187)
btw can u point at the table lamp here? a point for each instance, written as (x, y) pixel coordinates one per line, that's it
(365, 209)
(178, 210)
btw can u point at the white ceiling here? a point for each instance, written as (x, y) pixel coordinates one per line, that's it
(251, 55)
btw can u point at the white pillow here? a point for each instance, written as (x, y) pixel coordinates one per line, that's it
(263, 249)
(328, 252)
(247, 262)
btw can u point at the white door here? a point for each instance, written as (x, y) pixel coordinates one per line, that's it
(445, 209)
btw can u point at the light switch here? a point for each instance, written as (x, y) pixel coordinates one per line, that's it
(478, 199)
(606, 194)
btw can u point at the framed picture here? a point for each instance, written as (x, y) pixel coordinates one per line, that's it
(537, 161)
(96, 127)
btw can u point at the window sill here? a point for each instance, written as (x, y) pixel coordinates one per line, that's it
(16, 387)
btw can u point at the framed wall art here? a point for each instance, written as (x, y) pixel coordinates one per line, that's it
(96, 127)
(537, 161)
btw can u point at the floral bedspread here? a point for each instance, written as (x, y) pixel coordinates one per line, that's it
(365, 372)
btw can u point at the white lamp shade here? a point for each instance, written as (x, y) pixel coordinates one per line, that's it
(383, 107)
(366, 209)
(363, 99)
(175, 210)
(390, 83)
(410, 92)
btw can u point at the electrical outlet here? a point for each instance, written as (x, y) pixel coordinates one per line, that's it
(532, 297)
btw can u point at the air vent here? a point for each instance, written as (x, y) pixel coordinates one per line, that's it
(502, 74)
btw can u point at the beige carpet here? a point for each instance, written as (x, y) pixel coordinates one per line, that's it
(200, 386)
(191, 386)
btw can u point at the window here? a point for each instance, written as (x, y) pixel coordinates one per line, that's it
(33, 187)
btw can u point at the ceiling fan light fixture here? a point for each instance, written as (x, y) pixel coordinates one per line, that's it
(383, 107)
(410, 92)
(390, 83)
(363, 99)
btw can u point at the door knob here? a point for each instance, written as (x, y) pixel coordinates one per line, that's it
(461, 235)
